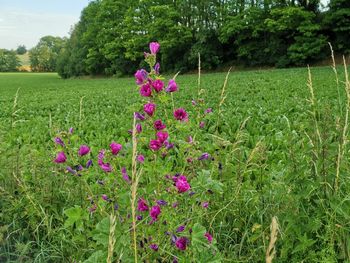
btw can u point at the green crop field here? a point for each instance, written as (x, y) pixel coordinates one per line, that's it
(277, 152)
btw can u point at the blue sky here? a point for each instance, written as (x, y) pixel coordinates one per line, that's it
(24, 22)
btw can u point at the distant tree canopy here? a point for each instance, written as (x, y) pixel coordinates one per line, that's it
(112, 34)
(43, 57)
(21, 49)
(9, 61)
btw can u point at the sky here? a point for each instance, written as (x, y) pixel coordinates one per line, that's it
(24, 22)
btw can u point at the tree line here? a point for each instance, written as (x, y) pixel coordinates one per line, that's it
(111, 35)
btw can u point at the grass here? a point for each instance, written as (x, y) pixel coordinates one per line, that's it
(273, 162)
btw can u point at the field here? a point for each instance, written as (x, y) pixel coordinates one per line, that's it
(278, 152)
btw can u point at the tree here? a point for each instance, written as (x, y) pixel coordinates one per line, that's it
(21, 50)
(8, 61)
(43, 57)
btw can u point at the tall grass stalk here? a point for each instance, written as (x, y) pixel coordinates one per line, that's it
(271, 251)
(199, 75)
(81, 110)
(223, 97)
(336, 78)
(111, 240)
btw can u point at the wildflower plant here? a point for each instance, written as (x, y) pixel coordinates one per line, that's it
(162, 169)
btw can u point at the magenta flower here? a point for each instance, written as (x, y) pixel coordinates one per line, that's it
(101, 154)
(104, 197)
(159, 125)
(154, 247)
(180, 114)
(182, 185)
(190, 139)
(181, 243)
(149, 108)
(172, 86)
(142, 205)
(140, 158)
(204, 156)
(60, 158)
(105, 166)
(209, 237)
(115, 148)
(125, 175)
(83, 150)
(139, 116)
(157, 68)
(162, 136)
(209, 110)
(59, 141)
(205, 204)
(146, 90)
(155, 145)
(202, 124)
(154, 47)
(138, 128)
(140, 76)
(155, 212)
(158, 85)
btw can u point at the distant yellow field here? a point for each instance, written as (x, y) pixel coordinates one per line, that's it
(25, 62)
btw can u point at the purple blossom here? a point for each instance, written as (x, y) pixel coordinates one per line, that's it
(204, 156)
(182, 185)
(139, 116)
(142, 205)
(60, 158)
(116, 207)
(115, 148)
(154, 247)
(69, 169)
(93, 208)
(168, 145)
(181, 243)
(83, 150)
(155, 212)
(155, 145)
(139, 217)
(205, 204)
(174, 205)
(162, 202)
(201, 124)
(140, 76)
(180, 114)
(105, 166)
(71, 130)
(138, 128)
(172, 86)
(88, 164)
(159, 125)
(209, 110)
(209, 237)
(180, 229)
(125, 175)
(157, 68)
(194, 103)
(154, 47)
(101, 154)
(190, 139)
(59, 141)
(162, 136)
(158, 85)
(104, 197)
(146, 90)
(140, 158)
(149, 108)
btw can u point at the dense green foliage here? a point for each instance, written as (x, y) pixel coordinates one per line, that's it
(21, 49)
(111, 34)
(43, 57)
(8, 60)
(275, 153)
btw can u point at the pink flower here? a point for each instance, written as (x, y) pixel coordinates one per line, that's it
(162, 136)
(205, 204)
(149, 108)
(182, 185)
(104, 197)
(202, 124)
(146, 90)
(140, 158)
(60, 158)
(158, 85)
(154, 47)
(141, 76)
(83, 150)
(209, 110)
(209, 237)
(155, 145)
(180, 114)
(181, 243)
(154, 247)
(105, 166)
(125, 175)
(142, 205)
(172, 86)
(159, 125)
(115, 148)
(155, 212)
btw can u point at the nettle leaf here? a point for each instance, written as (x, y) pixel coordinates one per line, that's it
(204, 182)
(75, 215)
(98, 256)
(101, 234)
